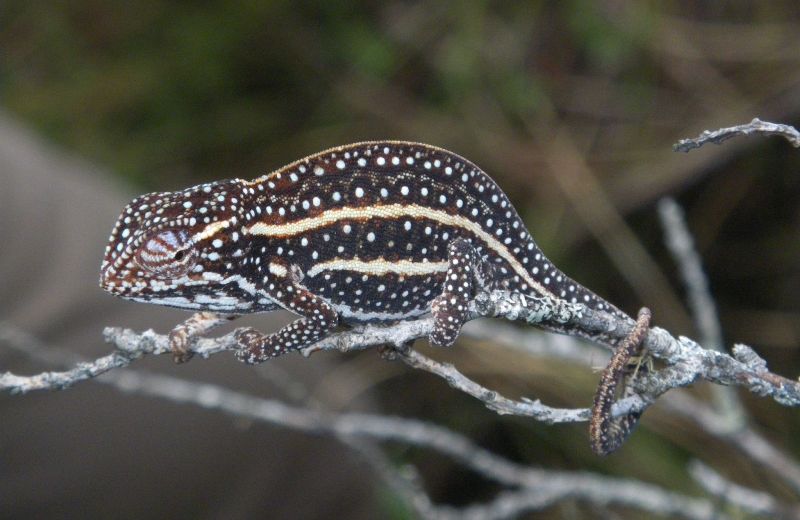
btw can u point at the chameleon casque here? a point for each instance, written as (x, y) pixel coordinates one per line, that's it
(369, 232)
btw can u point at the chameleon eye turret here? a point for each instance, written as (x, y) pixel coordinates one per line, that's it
(168, 254)
(367, 232)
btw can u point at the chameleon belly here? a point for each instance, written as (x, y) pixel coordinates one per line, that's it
(365, 231)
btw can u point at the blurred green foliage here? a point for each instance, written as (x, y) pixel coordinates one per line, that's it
(155, 89)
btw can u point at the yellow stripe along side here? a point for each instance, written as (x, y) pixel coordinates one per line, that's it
(395, 211)
(379, 267)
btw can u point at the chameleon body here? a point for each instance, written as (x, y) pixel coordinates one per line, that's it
(368, 232)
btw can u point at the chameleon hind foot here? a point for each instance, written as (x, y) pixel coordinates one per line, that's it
(451, 307)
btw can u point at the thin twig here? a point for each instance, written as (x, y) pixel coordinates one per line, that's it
(756, 126)
(739, 496)
(746, 440)
(680, 243)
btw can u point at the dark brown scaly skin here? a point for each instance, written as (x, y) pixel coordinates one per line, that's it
(368, 232)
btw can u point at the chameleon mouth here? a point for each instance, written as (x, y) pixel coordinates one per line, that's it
(109, 283)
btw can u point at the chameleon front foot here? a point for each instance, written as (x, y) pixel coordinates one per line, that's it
(183, 335)
(256, 347)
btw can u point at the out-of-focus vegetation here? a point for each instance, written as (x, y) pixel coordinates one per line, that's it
(572, 106)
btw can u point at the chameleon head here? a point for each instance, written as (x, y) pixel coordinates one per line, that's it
(179, 248)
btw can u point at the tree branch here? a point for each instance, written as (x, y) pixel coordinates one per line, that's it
(680, 243)
(741, 497)
(686, 360)
(756, 126)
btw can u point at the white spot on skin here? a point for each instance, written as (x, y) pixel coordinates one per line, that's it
(359, 192)
(340, 164)
(381, 161)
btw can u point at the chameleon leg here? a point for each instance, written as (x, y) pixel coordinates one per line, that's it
(318, 319)
(182, 336)
(450, 308)
(606, 434)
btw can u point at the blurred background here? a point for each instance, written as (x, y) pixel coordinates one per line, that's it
(571, 106)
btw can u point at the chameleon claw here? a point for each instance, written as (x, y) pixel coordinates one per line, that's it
(180, 344)
(184, 335)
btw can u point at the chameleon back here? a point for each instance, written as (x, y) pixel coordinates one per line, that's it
(367, 227)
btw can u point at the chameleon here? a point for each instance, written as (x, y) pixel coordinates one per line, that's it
(371, 232)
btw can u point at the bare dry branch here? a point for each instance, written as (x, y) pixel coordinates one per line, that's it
(680, 243)
(738, 496)
(687, 361)
(756, 126)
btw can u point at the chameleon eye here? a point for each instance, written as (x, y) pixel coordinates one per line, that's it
(167, 253)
